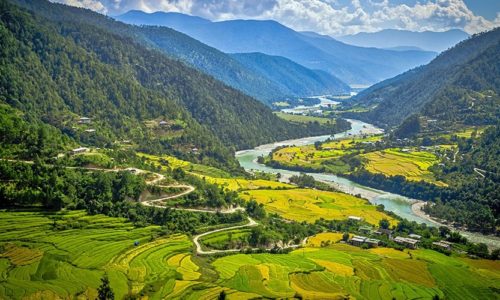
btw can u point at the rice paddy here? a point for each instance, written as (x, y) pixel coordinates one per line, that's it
(310, 205)
(64, 255)
(413, 165)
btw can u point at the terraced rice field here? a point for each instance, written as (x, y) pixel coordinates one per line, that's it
(239, 184)
(326, 157)
(413, 165)
(64, 255)
(310, 205)
(220, 240)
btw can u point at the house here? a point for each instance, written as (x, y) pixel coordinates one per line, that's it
(415, 236)
(383, 231)
(84, 120)
(79, 150)
(90, 130)
(372, 242)
(407, 242)
(163, 123)
(354, 218)
(357, 240)
(195, 150)
(365, 229)
(443, 245)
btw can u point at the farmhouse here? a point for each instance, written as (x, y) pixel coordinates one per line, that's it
(372, 242)
(365, 229)
(84, 120)
(357, 240)
(415, 236)
(383, 231)
(407, 242)
(354, 218)
(443, 245)
(79, 150)
(90, 130)
(163, 123)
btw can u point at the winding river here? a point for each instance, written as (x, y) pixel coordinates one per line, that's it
(398, 204)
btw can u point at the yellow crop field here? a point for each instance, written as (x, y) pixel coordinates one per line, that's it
(240, 184)
(413, 165)
(310, 205)
(332, 237)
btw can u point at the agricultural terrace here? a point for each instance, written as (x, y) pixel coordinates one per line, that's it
(325, 157)
(340, 271)
(410, 163)
(166, 161)
(304, 119)
(240, 184)
(310, 205)
(230, 239)
(64, 255)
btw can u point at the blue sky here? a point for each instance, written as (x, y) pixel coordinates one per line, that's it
(332, 17)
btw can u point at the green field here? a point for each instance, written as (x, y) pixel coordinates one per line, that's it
(326, 158)
(412, 164)
(230, 239)
(310, 205)
(64, 255)
(304, 119)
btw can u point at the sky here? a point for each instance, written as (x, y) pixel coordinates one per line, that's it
(331, 17)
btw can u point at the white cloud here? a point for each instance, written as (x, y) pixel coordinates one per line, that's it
(333, 17)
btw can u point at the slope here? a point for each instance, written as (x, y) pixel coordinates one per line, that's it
(460, 85)
(57, 71)
(350, 64)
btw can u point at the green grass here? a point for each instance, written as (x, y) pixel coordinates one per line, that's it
(304, 119)
(226, 239)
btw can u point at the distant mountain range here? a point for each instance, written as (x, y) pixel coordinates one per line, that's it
(266, 84)
(404, 39)
(352, 64)
(462, 85)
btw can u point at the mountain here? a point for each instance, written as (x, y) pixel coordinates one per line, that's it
(253, 80)
(393, 38)
(58, 64)
(291, 77)
(351, 64)
(460, 86)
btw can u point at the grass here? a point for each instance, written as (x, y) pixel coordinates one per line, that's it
(304, 119)
(64, 255)
(413, 165)
(226, 239)
(310, 205)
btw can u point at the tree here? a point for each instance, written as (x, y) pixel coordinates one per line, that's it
(222, 295)
(345, 236)
(104, 291)
(384, 223)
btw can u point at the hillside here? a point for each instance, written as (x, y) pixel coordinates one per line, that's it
(248, 76)
(460, 86)
(393, 38)
(292, 77)
(353, 65)
(55, 72)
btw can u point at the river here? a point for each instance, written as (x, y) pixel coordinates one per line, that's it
(398, 204)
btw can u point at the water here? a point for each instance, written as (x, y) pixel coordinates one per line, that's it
(395, 203)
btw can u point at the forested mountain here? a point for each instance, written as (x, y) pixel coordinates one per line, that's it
(393, 38)
(349, 63)
(461, 85)
(247, 75)
(291, 77)
(58, 64)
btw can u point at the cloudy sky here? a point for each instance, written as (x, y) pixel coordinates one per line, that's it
(333, 17)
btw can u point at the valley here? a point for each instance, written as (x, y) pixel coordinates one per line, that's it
(167, 155)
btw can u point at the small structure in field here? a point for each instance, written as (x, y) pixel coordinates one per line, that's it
(79, 150)
(163, 123)
(90, 130)
(84, 120)
(407, 242)
(357, 240)
(365, 229)
(372, 242)
(443, 245)
(354, 218)
(415, 236)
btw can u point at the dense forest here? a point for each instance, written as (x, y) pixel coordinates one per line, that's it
(460, 86)
(59, 63)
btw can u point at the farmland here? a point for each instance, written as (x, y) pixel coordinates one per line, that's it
(324, 158)
(64, 255)
(412, 164)
(304, 119)
(310, 205)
